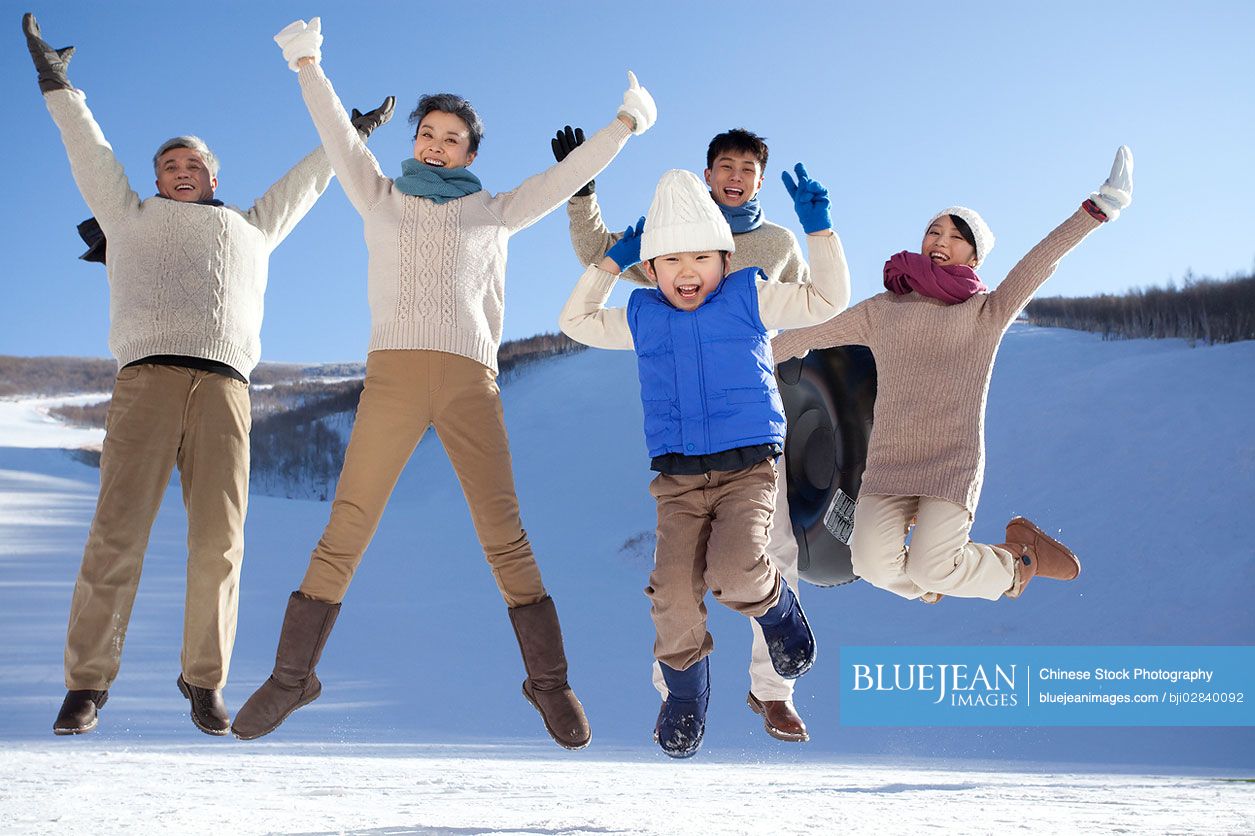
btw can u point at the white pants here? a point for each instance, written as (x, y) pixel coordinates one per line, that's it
(940, 557)
(765, 683)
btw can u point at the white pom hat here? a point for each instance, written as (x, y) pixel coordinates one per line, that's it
(683, 218)
(980, 230)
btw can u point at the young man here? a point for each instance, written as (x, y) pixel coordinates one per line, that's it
(714, 423)
(186, 279)
(735, 164)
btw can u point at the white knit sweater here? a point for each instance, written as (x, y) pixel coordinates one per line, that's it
(436, 278)
(184, 278)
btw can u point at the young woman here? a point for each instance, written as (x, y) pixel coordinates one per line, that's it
(437, 244)
(934, 333)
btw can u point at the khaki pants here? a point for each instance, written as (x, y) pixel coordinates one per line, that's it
(160, 417)
(407, 392)
(712, 533)
(940, 557)
(765, 683)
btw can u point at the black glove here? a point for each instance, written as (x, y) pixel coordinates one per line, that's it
(50, 63)
(371, 119)
(94, 237)
(564, 142)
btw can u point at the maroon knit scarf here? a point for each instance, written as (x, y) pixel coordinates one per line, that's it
(951, 284)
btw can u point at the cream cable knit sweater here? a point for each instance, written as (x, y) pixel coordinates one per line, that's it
(933, 364)
(184, 278)
(436, 278)
(770, 247)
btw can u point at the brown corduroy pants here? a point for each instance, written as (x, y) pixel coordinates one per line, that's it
(160, 417)
(406, 392)
(712, 533)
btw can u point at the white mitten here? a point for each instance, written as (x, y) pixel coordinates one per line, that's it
(300, 40)
(639, 105)
(1117, 192)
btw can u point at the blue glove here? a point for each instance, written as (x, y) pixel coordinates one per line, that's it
(810, 200)
(627, 251)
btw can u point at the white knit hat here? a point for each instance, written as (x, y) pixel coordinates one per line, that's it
(980, 230)
(683, 218)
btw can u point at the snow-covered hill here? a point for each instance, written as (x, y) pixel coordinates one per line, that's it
(1141, 452)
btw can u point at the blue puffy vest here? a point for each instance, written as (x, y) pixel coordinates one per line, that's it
(707, 377)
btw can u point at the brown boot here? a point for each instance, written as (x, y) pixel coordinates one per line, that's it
(209, 712)
(306, 626)
(1038, 555)
(546, 688)
(780, 719)
(78, 712)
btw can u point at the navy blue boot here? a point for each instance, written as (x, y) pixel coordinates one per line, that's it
(682, 720)
(790, 642)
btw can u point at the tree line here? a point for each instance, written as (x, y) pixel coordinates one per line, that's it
(1201, 310)
(300, 426)
(50, 376)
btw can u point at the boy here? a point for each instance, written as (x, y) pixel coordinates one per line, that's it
(736, 161)
(714, 422)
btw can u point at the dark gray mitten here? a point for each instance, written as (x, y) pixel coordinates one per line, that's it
(50, 63)
(371, 119)
(564, 142)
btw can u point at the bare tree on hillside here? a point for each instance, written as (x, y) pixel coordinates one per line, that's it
(1202, 310)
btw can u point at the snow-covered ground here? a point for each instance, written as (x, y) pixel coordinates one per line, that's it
(325, 789)
(1140, 451)
(26, 422)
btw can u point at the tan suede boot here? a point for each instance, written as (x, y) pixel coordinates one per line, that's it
(1038, 555)
(306, 626)
(546, 688)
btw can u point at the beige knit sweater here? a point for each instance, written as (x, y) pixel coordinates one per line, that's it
(771, 248)
(184, 278)
(436, 278)
(933, 364)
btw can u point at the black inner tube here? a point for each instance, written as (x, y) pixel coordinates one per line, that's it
(829, 397)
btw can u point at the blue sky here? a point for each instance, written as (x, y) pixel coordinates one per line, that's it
(899, 108)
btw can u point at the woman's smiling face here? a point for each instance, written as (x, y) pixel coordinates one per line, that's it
(443, 141)
(945, 245)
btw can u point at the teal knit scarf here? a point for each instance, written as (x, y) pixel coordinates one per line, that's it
(436, 184)
(744, 218)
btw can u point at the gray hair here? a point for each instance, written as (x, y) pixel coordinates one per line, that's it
(450, 103)
(193, 143)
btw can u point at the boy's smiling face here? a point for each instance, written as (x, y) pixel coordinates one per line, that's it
(686, 279)
(734, 178)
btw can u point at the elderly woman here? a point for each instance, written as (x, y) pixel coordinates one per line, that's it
(436, 282)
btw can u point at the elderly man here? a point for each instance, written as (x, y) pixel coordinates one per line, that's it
(186, 278)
